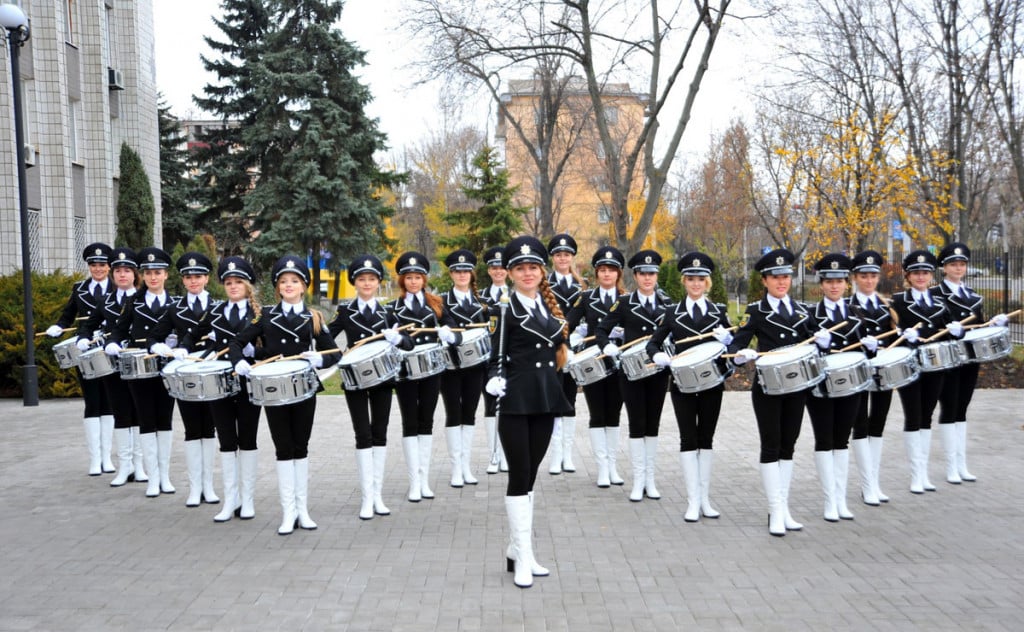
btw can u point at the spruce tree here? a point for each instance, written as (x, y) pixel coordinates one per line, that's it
(177, 217)
(136, 211)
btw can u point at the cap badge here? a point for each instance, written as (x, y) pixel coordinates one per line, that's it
(191, 262)
(497, 255)
(412, 261)
(231, 265)
(835, 265)
(368, 263)
(462, 258)
(647, 259)
(289, 264)
(525, 249)
(121, 255)
(561, 242)
(780, 260)
(608, 254)
(696, 263)
(920, 258)
(870, 259)
(956, 251)
(151, 257)
(99, 251)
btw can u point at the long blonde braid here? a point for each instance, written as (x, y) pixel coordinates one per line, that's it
(562, 355)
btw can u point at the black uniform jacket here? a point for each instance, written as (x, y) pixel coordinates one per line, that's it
(357, 326)
(850, 333)
(139, 326)
(628, 312)
(214, 332)
(486, 298)
(875, 321)
(186, 324)
(281, 337)
(565, 297)
(425, 317)
(959, 307)
(771, 328)
(477, 312)
(80, 303)
(932, 318)
(589, 307)
(678, 324)
(534, 384)
(102, 319)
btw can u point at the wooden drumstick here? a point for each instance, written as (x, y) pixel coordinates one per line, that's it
(702, 337)
(811, 339)
(320, 352)
(261, 363)
(945, 330)
(857, 344)
(378, 336)
(759, 354)
(205, 359)
(902, 338)
(625, 346)
(63, 331)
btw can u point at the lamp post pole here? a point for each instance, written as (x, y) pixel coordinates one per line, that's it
(16, 24)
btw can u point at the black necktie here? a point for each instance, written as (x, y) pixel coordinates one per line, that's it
(155, 306)
(784, 311)
(367, 313)
(649, 307)
(539, 316)
(834, 315)
(698, 313)
(235, 316)
(963, 292)
(416, 304)
(921, 302)
(197, 308)
(291, 316)
(97, 293)
(564, 285)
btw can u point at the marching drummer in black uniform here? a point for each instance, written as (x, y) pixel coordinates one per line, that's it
(778, 321)
(461, 387)
(869, 424)
(236, 418)
(604, 397)
(417, 398)
(639, 314)
(958, 390)
(566, 284)
(369, 407)
(832, 417)
(125, 277)
(921, 314)
(527, 352)
(145, 322)
(491, 296)
(86, 297)
(696, 413)
(289, 328)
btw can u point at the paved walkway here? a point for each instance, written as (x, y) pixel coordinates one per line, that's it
(79, 555)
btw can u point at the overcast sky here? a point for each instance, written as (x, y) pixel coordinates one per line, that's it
(406, 113)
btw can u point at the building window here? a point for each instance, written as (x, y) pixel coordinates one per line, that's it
(75, 135)
(604, 214)
(28, 110)
(72, 21)
(611, 115)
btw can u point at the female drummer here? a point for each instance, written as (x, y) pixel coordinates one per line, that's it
(417, 398)
(566, 284)
(369, 407)
(869, 424)
(124, 272)
(527, 352)
(87, 297)
(187, 314)
(778, 321)
(236, 418)
(604, 398)
(289, 328)
(461, 387)
(956, 396)
(639, 314)
(491, 296)
(145, 320)
(921, 314)
(696, 413)
(832, 417)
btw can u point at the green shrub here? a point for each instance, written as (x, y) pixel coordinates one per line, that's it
(755, 289)
(719, 293)
(670, 281)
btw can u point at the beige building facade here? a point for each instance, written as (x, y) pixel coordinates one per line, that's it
(88, 81)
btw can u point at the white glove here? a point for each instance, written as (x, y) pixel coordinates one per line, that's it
(610, 350)
(744, 355)
(112, 349)
(314, 358)
(496, 386)
(160, 348)
(870, 343)
(446, 334)
(722, 335)
(662, 359)
(581, 329)
(83, 344)
(956, 329)
(393, 336)
(575, 339)
(54, 331)
(172, 340)
(1000, 320)
(618, 332)
(569, 355)
(249, 351)
(179, 353)
(823, 338)
(243, 368)
(910, 335)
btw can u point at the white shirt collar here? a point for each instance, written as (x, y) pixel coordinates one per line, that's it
(288, 308)
(243, 305)
(955, 287)
(530, 303)
(830, 304)
(162, 297)
(202, 297)
(559, 277)
(702, 301)
(102, 284)
(865, 300)
(646, 299)
(918, 295)
(774, 302)
(460, 296)
(372, 303)
(418, 296)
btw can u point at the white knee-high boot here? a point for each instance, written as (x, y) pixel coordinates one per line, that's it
(364, 463)
(691, 477)
(704, 459)
(163, 443)
(467, 452)
(150, 455)
(568, 438)
(948, 440)
(454, 435)
(229, 474)
(598, 442)
(926, 449)
(841, 462)
(771, 479)
(912, 443)
(865, 466)
(555, 448)
(411, 448)
(520, 531)
(194, 467)
(137, 460)
(247, 460)
(612, 434)
(286, 492)
(92, 443)
(876, 464)
(380, 458)
(302, 494)
(786, 479)
(961, 452)
(827, 478)
(209, 458)
(124, 457)
(639, 459)
(651, 455)
(426, 444)
(106, 442)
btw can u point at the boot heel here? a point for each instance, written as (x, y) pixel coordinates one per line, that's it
(510, 565)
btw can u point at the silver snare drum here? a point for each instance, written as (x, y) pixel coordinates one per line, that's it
(588, 366)
(790, 369)
(422, 361)
(939, 356)
(136, 364)
(96, 363)
(207, 381)
(282, 383)
(983, 344)
(893, 368)
(474, 349)
(368, 365)
(846, 373)
(171, 379)
(67, 353)
(699, 368)
(635, 363)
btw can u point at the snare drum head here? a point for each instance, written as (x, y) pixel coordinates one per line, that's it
(363, 352)
(281, 367)
(174, 365)
(471, 335)
(586, 354)
(635, 350)
(699, 353)
(891, 354)
(423, 348)
(844, 360)
(212, 366)
(785, 355)
(984, 332)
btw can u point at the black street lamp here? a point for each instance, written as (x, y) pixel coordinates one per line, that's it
(14, 22)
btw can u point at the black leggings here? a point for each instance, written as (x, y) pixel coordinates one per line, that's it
(461, 390)
(291, 427)
(525, 439)
(570, 388)
(417, 400)
(604, 401)
(153, 405)
(697, 417)
(197, 417)
(237, 420)
(95, 396)
(919, 399)
(120, 399)
(370, 409)
(957, 393)
(644, 400)
(870, 421)
(778, 422)
(832, 419)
